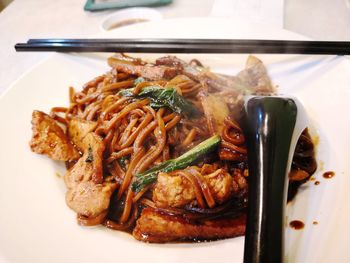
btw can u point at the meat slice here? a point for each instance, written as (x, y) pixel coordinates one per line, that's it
(48, 138)
(192, 71)
(177, 191)
(215, 110)
(78, 129)
(171, 61)
(173, 191)
(89, 166)
(90, 199)
(87, 194)
(255, 77)
(147, 71)
(155, 227)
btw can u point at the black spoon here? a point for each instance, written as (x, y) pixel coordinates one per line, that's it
(273, 125)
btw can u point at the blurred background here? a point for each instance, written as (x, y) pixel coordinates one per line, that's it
(319, 19)
(24, 19)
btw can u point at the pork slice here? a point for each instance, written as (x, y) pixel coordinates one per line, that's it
(156, 227)
(192, 71)
(255, 77)
(89, 166)
(177, 191)
(173, 191)
(147, 71)
(48, 138)
(171, 61)
(78, 129)
(90, 199)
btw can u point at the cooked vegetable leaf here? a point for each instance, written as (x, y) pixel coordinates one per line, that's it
(164, 97)
(188, 158)
(126, 92)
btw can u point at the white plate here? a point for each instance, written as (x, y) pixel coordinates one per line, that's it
(37, 226)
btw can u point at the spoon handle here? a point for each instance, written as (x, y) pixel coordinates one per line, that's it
(269, 124)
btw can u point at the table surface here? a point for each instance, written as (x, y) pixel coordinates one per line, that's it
(23, 19)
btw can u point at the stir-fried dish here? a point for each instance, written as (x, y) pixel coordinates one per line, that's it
(156, 149)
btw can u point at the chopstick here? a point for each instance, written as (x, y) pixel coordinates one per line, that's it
(187, 46)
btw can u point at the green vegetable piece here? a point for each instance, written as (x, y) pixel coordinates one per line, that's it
(164, 97)
(127, 92)
(188, 158)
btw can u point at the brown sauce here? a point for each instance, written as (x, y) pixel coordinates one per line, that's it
(317, 182)
(329, 175)
(296, 224)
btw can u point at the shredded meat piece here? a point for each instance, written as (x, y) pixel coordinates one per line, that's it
(49, 139)
(89, 166)
(90, 199)
(147, 71)
(78, 129)
(177, 191)
(155, 227)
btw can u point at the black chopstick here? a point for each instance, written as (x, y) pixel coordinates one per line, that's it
(187, 46)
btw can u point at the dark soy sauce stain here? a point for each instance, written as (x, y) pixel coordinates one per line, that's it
(296, 224)
(329, 175)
